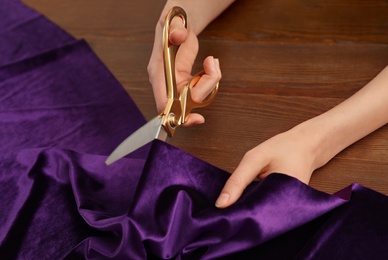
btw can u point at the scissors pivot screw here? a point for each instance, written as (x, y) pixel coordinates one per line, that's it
(172, 120)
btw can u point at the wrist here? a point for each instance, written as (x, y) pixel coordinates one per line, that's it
(349, 121)
(317, 135)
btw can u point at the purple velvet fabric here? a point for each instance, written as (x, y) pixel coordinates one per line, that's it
(62, 112)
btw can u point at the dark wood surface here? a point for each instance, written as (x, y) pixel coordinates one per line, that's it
(283, 62)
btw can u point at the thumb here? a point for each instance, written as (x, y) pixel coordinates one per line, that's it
(178, 33)
(248, 169)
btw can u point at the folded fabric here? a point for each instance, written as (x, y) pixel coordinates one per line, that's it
(62, 112)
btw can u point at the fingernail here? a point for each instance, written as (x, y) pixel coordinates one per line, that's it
(216, 62)
(183, 23)
(171, 32)
(222, 199)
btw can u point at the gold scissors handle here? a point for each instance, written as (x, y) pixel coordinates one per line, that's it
(187, 101)
(178, 106)
(170, 51)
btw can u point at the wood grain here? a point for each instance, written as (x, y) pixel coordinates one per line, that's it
(283, 61)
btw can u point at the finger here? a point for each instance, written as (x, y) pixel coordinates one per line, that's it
(194, 119)
(208, 81)
(156, 78)
(248, 169)
(185, 58)
(156, 73)
(178, 33)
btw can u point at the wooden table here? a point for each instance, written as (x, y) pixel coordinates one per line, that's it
(283, 61)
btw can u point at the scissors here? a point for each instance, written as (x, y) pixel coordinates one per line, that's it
(178, 106)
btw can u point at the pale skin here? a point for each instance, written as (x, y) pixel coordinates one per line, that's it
(289, 152)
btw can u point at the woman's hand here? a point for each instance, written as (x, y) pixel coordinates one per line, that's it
(311, 144)
(289, 153)
(184, 61)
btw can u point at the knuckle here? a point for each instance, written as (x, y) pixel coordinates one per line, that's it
(151, 73)
(235, 181)
(250, 155)
(149, 70)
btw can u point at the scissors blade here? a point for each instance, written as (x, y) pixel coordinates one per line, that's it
(150, 131)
